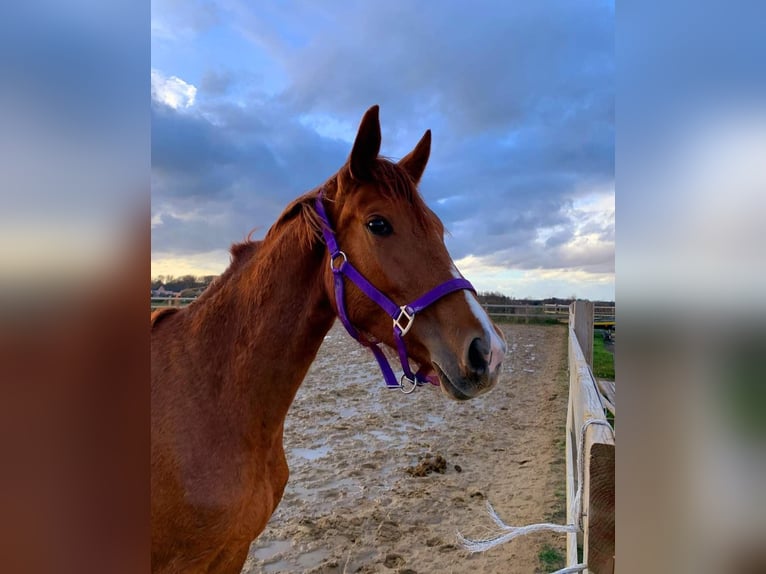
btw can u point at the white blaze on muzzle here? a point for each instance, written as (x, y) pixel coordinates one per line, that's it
(498, 347)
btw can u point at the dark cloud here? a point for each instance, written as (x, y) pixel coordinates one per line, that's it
(216, 82)
(483, 67)
(559, 238)
(190, 146)
(519, 96)
(233, 169)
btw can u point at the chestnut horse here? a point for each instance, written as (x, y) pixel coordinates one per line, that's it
(226, 368)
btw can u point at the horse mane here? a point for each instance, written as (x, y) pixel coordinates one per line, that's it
(240, 253)
(159, 314)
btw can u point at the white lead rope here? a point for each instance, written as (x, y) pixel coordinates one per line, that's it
(511, 532)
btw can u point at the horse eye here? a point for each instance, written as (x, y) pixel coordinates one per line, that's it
(379, 226)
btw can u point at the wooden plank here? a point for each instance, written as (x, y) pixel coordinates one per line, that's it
(571, 458)
(598, 458)
(610, 406)
(608, 393)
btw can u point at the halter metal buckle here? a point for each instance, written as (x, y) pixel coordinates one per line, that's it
(403, 314)
(334, 258)
(407, 390)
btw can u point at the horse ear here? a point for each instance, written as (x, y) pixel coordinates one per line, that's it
(366, 145)
(414, 163)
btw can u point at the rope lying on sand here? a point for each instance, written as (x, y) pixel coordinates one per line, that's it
(511, 532)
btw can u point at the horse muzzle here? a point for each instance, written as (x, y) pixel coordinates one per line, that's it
(476, 371)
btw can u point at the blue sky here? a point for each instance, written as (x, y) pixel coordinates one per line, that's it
(256, 103)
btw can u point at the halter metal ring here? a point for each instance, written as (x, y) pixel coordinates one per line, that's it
(404, 315)
(333, 258)
(407, 390)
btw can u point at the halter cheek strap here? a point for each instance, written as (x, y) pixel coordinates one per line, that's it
(403, 316)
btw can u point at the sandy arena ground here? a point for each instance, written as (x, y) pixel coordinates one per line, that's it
(351, 506)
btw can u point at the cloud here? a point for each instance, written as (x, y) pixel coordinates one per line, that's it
(520, 99)
(573, 236)
(537, 283)
(172, 91)
(222, 170)
(525, 62)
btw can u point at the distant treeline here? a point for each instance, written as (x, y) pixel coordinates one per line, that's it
(494, 298)
(191, 284)
(178, 284)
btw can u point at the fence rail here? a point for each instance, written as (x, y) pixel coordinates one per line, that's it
(158, 302)
(603, 315)
(590, 450)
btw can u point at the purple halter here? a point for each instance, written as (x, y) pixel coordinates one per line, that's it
(403, 316)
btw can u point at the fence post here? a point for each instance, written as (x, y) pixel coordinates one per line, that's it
(582, 311)
(598, 451)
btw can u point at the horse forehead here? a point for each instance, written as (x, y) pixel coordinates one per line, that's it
(382, 191)
(370, 201)
(377, 198)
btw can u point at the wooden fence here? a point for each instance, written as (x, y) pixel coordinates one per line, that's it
(590, 449)
(603, 315)
(158, 302)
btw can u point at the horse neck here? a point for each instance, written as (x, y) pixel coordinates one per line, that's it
(262, 328)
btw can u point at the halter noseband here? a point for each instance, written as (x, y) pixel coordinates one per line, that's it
(403, 316)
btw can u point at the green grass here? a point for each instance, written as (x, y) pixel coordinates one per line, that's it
(603, 360)
(551, 558)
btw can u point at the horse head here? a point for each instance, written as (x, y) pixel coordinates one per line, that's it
(396, 242)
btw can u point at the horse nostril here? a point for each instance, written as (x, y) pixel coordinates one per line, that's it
(478, 356)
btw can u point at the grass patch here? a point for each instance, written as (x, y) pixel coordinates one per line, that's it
(603, 360)
(551, 558)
